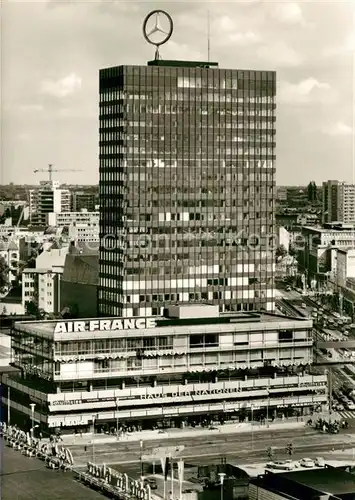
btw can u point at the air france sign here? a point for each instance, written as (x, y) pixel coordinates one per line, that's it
(99, 325)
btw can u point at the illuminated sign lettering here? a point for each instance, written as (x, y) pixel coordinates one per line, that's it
(104, 325)
(182, 394)
(119, 480)
(204, 392)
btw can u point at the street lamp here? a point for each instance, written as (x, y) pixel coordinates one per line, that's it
(252, 427)
(93, 438)
(221, 478)
(116, 417)
(32, 429)
(32, 406)
(140, 456)
(267, 407)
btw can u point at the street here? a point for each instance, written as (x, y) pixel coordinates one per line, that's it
(25, 478)
(242, 447)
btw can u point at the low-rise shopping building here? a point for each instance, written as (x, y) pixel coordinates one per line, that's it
(180, 367)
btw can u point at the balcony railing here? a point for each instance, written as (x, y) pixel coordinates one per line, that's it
(195, 348)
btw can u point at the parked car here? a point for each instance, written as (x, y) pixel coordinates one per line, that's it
(281, 465)
(319, 462)
(152, 482)
(307, 462)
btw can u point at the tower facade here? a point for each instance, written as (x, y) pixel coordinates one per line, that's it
(187, 187)
(338, 202)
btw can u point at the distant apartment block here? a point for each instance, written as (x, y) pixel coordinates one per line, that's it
(79, 284)
(281, 193)
(64, 219)
(88, 233)
(320, 245)
(46, 199)
(42, 283)
(345, 265)
(338, 202)
(9, 251)
(82, 200)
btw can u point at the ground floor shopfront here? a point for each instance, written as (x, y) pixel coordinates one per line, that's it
(163, 406)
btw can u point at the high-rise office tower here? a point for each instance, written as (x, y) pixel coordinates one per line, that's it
(338, 202)
(187, 187)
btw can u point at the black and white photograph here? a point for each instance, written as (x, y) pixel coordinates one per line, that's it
(177, 250)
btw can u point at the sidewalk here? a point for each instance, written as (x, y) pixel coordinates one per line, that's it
(150, 435)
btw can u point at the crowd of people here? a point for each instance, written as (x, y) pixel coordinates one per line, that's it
(327, 426)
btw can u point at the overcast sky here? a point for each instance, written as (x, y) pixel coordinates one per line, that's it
(52, 52)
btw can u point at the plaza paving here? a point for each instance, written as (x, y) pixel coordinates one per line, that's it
(24, 478)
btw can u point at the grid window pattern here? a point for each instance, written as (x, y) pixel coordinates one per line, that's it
(187, 188)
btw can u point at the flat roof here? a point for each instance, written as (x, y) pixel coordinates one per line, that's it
(243, 322)
(326, 480)
(333, 229)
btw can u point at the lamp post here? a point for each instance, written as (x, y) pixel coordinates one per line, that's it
(93, 438)
(330, 390)
(116, 417)
(221, 478)
(252, 426)
(32, 429)
(8, 405)
(32, 406)
(140, 456)
(267, 407)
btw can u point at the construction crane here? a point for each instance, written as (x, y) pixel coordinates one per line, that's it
(50, 170)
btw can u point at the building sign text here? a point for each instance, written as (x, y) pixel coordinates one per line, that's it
(104, 325)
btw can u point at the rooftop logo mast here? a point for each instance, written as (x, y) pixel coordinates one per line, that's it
(157, 29)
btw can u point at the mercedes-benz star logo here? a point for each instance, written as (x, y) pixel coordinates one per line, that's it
(157, 27)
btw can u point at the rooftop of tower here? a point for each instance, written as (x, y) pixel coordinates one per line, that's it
(183, 64)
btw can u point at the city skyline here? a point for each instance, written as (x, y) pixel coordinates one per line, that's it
(52, 114)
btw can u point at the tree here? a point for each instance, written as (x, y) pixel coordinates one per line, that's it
(312, 192)
(4, 275)
(31, 308)
(270, 452)
(289, 449)
(281, 251)
(292, 251)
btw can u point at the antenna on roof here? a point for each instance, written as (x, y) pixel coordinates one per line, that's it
(208, 35)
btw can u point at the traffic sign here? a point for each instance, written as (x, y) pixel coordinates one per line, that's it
(167, 451)
(149, 458)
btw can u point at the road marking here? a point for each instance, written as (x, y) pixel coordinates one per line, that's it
(346, 413)
(302, 446)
